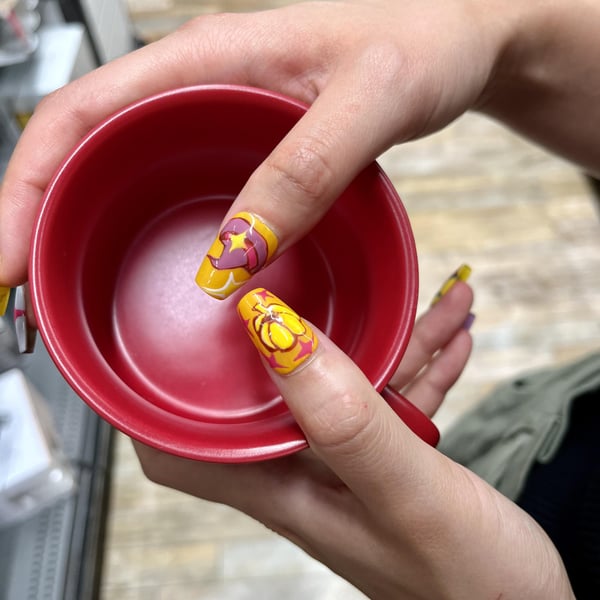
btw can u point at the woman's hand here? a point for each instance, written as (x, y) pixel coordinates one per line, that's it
(375, 73)
(370, 499)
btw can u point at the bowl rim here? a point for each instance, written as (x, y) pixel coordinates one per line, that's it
(149, 435)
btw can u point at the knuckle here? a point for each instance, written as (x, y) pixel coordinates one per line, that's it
(343, 423)
(303, 171)
(62, 102)
(56, 100)
(384, 63)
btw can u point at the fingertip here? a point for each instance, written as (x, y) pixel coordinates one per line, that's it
(12, 273)
(19, 201)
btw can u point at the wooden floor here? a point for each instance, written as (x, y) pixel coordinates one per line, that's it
(525, 221)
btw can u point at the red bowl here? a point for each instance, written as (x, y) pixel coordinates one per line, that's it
(120, 234)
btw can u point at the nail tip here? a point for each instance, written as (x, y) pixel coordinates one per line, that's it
(464, 272)
(461, 274)
(283, 339)
(218, 293)
(244, 246)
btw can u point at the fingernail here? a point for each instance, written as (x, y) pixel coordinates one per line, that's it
(461, 274)
(243, 247)
(283, 338)
(468, 322)
(26, 334)
(4, 296)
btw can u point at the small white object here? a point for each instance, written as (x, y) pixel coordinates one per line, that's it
(33, 472)
(20, 319)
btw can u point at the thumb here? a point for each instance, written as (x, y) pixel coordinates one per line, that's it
(346, 422)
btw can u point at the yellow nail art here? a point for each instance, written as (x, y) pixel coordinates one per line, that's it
(242, 248)
(4, 295)
(461, 274)
(284, 339)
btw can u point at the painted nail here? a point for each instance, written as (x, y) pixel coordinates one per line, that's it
(461, 274)
(468, 322)
(281, 336)
(4, 296)
(243, 247)
(26, 333)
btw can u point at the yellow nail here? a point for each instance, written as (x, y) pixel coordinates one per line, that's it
(4, 295)
(461, 274)
(283, 338)
(243, 247)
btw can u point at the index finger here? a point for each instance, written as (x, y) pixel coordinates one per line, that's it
(344, 130)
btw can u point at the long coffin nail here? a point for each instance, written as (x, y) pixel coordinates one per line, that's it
(243, 247)
(26, 333)
(4, 295)
(281, 336)
(461, 274)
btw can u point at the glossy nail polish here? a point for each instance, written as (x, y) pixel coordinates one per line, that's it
(243, 247)
(281, 336)
(461, 274)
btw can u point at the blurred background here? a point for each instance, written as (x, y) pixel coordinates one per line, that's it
(526, 222)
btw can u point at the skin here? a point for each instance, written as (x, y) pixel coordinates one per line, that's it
(376, 73)
(369, 499)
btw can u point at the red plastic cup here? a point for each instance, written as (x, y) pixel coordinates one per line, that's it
(119, 237)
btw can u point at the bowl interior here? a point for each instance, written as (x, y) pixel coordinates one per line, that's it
(121, 233)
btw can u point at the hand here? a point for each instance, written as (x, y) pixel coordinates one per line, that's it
(376, 73)
(369, 499)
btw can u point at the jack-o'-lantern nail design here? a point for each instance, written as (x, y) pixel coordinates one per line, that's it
(243, 247)
(283, 338)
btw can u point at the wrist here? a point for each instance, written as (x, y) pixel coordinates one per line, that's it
(521, 562)
(543, 82)
(516, 33)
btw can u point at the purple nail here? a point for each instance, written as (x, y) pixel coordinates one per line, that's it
(468, 321)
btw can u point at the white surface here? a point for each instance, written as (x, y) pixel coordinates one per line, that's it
(53, 65)
(32, 471)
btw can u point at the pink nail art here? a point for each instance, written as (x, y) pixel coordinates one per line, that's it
(26, 334)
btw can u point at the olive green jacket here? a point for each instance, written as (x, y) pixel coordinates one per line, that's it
(519, 424)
